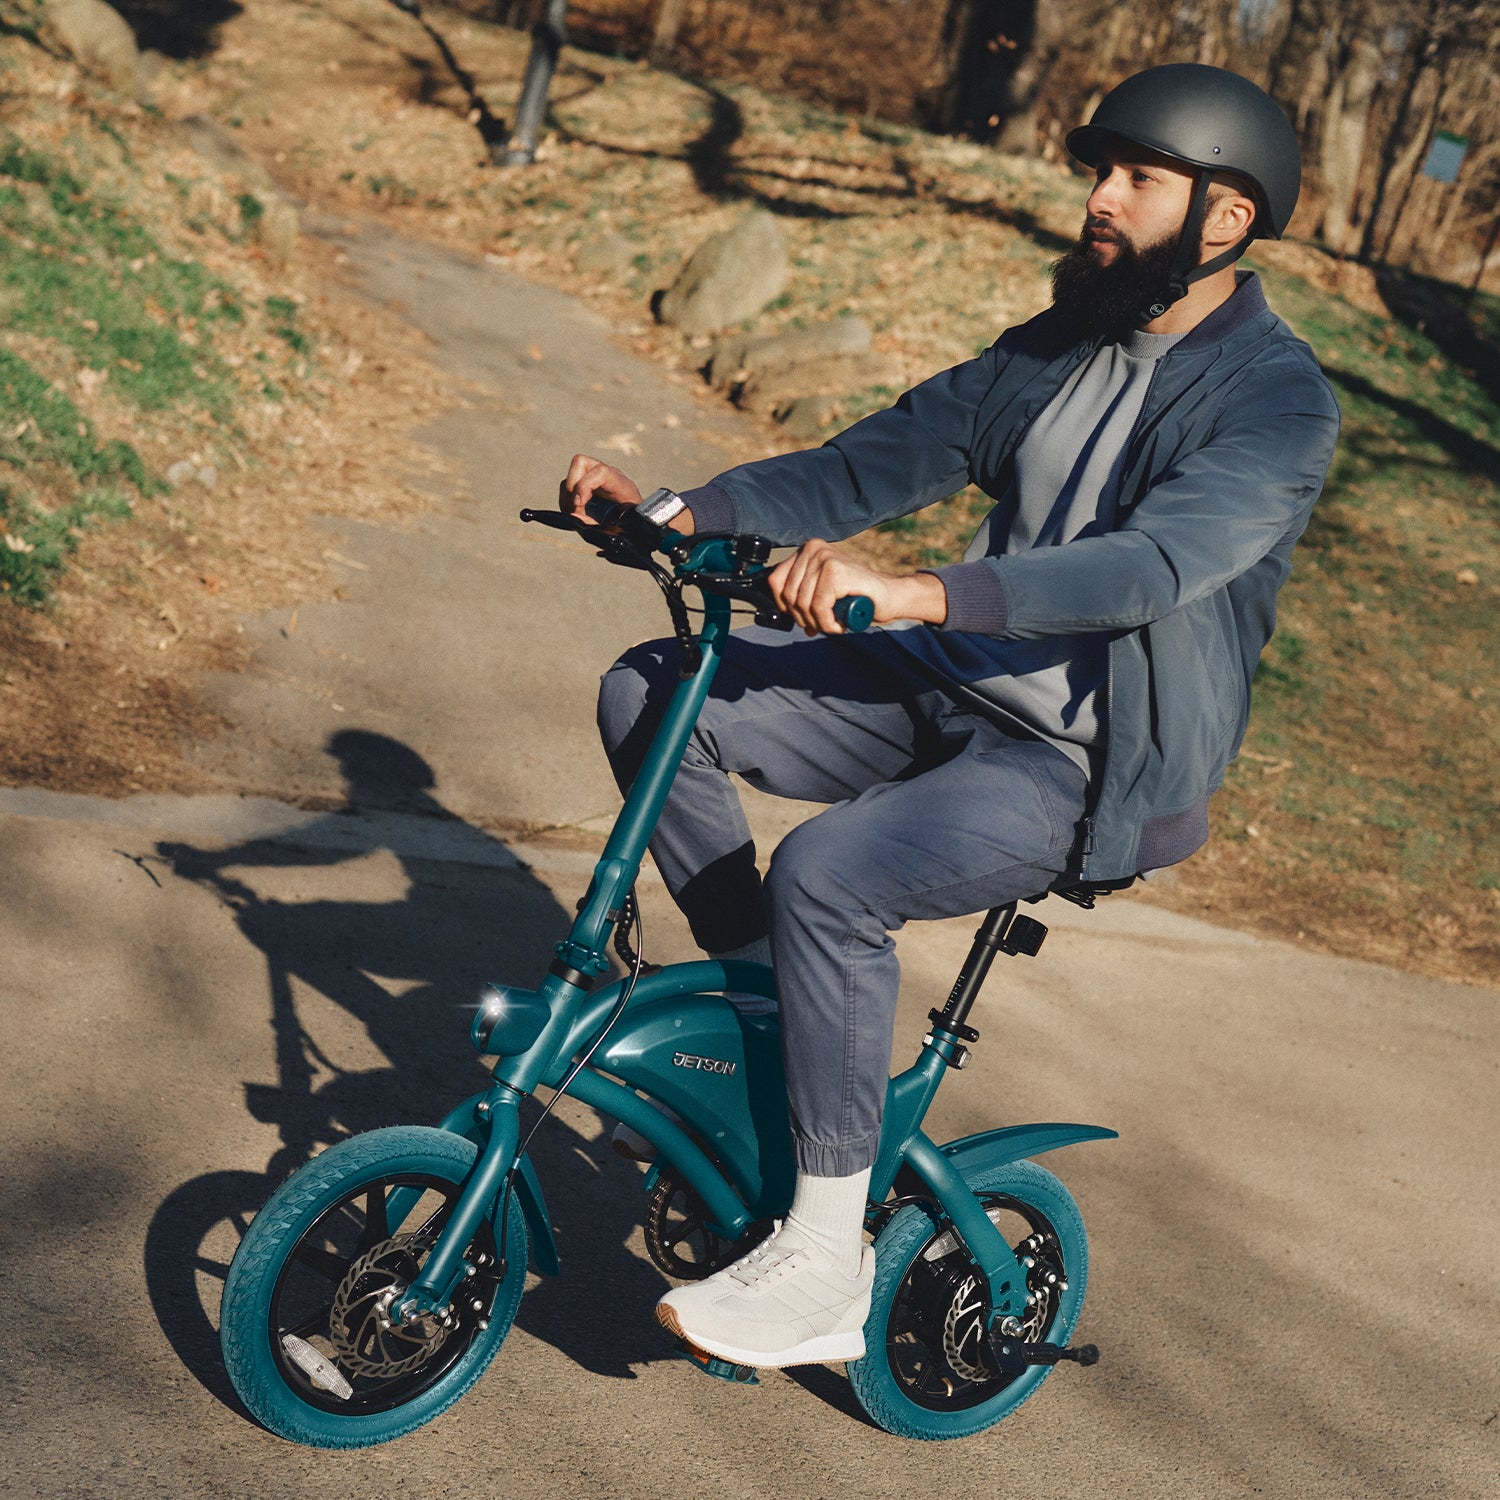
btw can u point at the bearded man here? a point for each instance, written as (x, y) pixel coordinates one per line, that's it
(1153, 443)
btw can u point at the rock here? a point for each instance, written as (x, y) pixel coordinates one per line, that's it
(728, 278)
(750, 355)
(609, 255)
(776, 390)
(214, 143)
(148, 69)
(190, 471)
(807, 416)
(99, 38)
(275, 230)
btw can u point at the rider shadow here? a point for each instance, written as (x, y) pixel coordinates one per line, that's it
(409, 971)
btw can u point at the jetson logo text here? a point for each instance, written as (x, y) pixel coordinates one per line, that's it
(703, 1064)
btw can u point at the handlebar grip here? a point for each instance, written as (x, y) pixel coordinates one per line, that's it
(603, 511)
(854, 612)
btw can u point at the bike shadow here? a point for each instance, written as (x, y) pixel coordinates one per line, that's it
(409, 971)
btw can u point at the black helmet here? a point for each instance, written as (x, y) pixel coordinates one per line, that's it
(1203, 117)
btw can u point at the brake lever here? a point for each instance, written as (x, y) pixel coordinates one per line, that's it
(553, 518)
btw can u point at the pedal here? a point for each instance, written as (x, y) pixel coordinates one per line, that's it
(1015, 1356)
(720, 1369)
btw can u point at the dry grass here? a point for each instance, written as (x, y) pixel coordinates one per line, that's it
(1361, 819)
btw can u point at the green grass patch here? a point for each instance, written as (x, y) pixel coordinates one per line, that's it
(282, 312)
(40, 426)
(34, 544)
(78, 269)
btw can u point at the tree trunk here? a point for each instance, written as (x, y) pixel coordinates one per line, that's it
(1404, 177)
(1416, 72)
(1346, 123)
(1019, 132)
(1215, 41)
(547, 38)
(985, 43)
(669, 21)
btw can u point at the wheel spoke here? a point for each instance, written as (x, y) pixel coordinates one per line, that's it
(313, 1323)
(905, 1318)
(327, 1263)
(376, 1226)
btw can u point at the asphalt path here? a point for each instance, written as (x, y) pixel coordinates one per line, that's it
(1294, 1284)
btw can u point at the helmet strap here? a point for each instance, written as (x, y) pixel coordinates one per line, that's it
(1185, 268)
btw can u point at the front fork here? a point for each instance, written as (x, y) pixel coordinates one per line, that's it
(431, 1294)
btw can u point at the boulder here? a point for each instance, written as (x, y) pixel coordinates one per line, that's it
(99, 38)
(217, 146)
(728, 278)
(837, 375)
(807, 416)
(275, 228)
(609, 255)
(750, 356)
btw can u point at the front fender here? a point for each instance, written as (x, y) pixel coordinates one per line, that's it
(463, 1121)
(995, 1148)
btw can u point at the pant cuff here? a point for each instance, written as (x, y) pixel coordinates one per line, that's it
(819, 1160)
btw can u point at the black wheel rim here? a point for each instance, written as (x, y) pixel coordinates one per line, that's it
(933, 1318)
(315, 1301)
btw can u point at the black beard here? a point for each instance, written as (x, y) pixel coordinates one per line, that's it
(1110, 301)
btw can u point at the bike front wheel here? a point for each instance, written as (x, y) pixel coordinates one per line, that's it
(303, 1325)
(928, 1370)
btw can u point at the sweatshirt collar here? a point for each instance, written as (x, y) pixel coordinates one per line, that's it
(1243, 306)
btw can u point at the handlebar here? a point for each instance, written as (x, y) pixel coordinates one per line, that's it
(746, 582)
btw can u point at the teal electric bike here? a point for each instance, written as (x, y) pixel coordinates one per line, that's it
(379, 1281)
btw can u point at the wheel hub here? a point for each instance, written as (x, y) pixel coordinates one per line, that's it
(360, 1326)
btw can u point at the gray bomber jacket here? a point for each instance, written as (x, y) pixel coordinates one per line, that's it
(1219, 478)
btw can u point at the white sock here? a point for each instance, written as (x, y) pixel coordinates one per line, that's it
(829, 1212)
(758, 952)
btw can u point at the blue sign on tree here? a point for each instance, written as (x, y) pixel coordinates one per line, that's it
(1445, 157)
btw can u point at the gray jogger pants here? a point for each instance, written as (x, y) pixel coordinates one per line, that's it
(935, 813)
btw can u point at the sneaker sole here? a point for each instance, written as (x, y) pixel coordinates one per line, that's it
(825, 1349)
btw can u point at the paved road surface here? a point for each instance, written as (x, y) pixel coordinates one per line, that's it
(1294, 1284)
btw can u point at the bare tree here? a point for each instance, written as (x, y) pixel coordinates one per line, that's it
(669, 18)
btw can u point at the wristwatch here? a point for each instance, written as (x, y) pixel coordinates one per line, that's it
(662, 507)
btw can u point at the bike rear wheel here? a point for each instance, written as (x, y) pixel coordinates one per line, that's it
(928, 1371)
(303, 1323)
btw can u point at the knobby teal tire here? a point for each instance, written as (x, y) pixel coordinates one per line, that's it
(926, 1372)
(291, 1276)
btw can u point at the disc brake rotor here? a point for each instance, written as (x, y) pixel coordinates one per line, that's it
(368, 1340)
(964, 1331)
(966, 1320)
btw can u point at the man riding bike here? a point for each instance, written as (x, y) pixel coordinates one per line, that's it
(1154, 442)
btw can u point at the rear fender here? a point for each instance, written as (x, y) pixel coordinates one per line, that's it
(995, 1148)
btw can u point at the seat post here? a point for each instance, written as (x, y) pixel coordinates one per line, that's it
(988, 941)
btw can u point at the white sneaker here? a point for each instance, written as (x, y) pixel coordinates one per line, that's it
(785, 1303)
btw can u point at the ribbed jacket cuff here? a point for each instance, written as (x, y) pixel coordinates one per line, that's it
(712, 510)
(976, 598)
